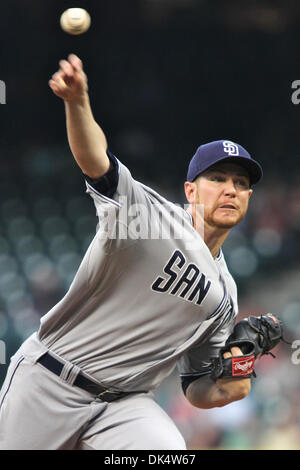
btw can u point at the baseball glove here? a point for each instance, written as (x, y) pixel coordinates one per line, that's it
(254, 336)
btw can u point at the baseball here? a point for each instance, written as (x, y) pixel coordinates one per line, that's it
(75, 21)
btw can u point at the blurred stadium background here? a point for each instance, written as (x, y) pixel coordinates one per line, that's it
(165, 76)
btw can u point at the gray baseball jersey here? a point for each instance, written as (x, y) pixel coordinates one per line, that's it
(147, 295)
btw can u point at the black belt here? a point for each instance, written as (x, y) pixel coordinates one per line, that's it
(81, 381)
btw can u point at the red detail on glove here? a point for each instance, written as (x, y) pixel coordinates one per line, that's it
(242, 365)
(273, 318)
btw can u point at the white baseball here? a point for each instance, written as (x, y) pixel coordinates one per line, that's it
(75, 21)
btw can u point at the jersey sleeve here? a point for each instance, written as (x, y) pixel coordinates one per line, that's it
(123, 206)
(116, 187)
(106, 184)
(196, 362)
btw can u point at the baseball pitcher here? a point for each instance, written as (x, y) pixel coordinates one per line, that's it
(153, 291)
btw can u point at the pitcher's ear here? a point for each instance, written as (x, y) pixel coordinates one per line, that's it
(190, 191)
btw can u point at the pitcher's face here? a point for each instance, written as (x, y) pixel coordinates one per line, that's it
(224, 192)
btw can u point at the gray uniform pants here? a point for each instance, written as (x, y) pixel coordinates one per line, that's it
(41, 411)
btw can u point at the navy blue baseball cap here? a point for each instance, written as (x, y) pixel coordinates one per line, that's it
(221, 151)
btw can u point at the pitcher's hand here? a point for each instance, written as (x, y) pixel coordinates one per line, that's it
(70, 81)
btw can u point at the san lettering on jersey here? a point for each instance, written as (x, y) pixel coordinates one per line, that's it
(186, 281)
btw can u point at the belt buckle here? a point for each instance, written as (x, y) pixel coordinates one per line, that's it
(110, 392)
